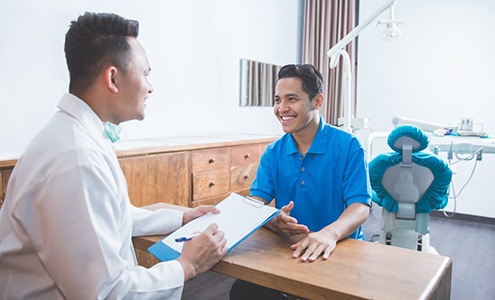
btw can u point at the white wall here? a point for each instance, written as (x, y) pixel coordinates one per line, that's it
(440, 70)
(194, 47)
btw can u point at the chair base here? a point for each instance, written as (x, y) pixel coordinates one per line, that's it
(405, 238)
(411, 234)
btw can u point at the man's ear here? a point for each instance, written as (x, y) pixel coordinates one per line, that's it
(111, 79)
(319, 101)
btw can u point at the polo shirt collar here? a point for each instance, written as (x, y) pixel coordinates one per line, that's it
(318, 146)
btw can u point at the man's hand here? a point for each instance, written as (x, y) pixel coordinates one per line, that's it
(314, 245)
(325, 240)
(198, 212)
(285, 224)
(202, 252)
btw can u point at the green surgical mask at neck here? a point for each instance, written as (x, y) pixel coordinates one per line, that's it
(112, 131)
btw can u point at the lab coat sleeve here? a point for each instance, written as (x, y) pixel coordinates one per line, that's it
(161, 221)
(78, 229)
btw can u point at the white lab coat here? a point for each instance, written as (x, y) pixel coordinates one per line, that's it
(67, 222)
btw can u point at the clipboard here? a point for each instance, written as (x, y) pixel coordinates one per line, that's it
(239, 217)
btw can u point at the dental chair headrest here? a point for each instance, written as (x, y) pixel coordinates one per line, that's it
(436, 195)
(409, 135)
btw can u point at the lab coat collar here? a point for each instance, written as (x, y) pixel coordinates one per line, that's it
(83, 113)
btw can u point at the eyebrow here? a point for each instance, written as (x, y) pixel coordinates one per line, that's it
(291, 95)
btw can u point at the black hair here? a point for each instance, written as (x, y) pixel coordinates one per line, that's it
(93, 42)
(310, 76)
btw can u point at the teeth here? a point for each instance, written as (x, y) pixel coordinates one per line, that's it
(286, 118)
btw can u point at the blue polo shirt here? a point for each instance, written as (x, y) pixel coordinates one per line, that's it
(322, 184)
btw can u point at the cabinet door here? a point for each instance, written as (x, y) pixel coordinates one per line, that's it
(1, 190)
(245, 161)
(4, 178)
(158, 178)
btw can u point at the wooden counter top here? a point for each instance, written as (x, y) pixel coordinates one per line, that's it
(139, 147)
(128, 148)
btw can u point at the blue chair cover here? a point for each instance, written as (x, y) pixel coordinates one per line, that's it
(435, 197)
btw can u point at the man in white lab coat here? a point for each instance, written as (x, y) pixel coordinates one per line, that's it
(67, 222)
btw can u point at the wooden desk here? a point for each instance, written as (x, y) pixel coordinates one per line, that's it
(355, 270)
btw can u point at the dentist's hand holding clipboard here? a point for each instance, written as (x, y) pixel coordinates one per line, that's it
(203, 249)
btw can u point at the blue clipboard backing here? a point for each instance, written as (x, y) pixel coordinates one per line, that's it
(165, 253)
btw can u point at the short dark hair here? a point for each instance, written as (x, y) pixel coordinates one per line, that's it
(93, 42)
(310, 76)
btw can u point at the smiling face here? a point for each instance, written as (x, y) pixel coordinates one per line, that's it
(133, 86)
(293, 108)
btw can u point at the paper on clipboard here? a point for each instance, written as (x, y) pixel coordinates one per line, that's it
(239, 217)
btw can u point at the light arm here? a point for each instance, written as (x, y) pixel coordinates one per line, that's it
(334, 51)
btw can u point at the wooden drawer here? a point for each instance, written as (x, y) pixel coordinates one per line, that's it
(210, 183)
(245, 155)
(206, 160)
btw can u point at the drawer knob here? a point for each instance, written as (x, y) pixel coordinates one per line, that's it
(212, 184)
(212, 160)
(247, 156)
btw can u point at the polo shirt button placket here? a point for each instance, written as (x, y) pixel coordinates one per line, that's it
(302, 170)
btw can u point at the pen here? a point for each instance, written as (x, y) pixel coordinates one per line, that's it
(186, 238)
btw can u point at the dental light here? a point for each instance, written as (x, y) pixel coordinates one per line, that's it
(338, 50)
(392, 31)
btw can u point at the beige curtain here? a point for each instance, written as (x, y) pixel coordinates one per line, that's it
(325, 23)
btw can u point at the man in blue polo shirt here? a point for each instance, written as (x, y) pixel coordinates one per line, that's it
(316, 173)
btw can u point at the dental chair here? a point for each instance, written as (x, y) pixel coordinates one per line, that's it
(408, 184)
